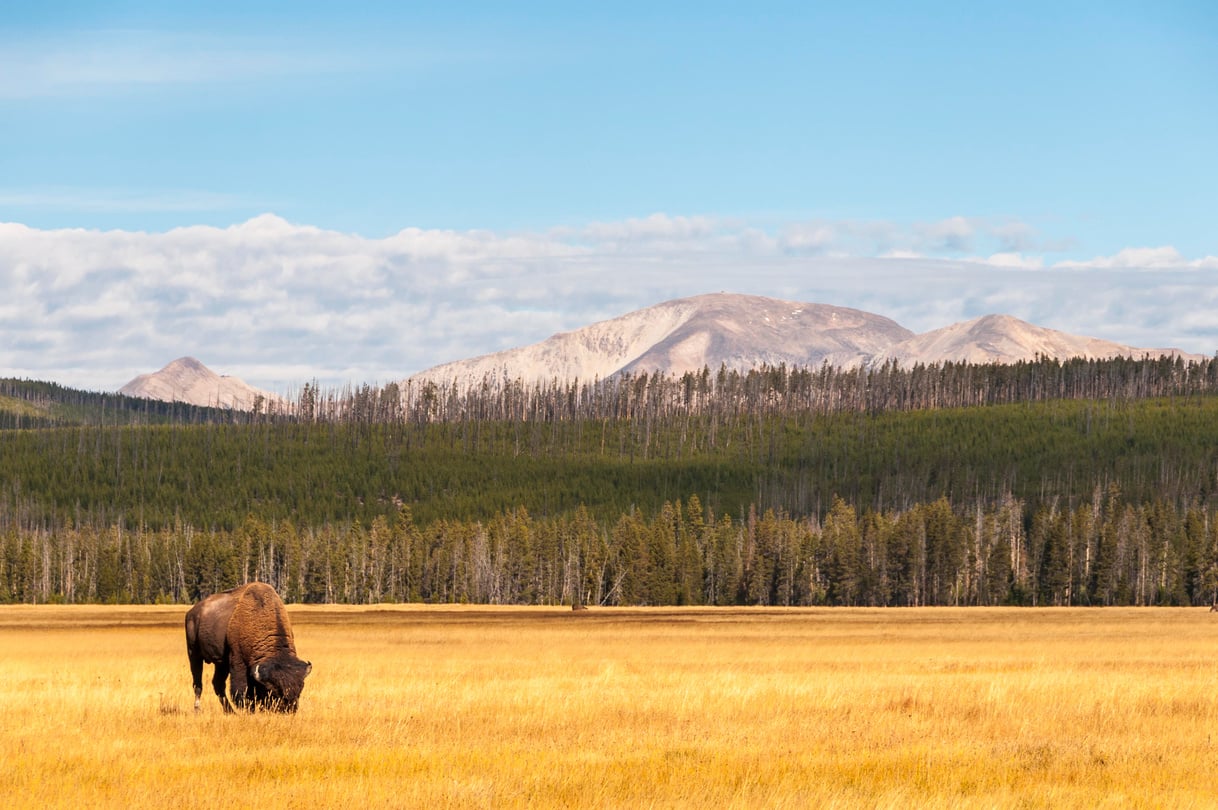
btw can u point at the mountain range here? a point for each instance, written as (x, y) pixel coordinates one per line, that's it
(688, 334)
(746, 331)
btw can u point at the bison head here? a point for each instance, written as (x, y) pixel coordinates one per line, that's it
(283, 679)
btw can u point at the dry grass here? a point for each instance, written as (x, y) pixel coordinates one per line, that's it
(452, 707)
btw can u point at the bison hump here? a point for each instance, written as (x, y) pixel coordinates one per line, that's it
(259, 625)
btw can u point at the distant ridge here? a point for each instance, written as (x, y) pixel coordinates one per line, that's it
(187, 380)
(1003, 339)
(745, 331)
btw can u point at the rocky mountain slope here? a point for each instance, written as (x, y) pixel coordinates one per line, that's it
(1003, 339)
(188, 380)
(741, 331)
(744, 331)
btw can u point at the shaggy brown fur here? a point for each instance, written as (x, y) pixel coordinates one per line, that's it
(245, 632)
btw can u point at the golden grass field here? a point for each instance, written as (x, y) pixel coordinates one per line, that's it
(543, 707)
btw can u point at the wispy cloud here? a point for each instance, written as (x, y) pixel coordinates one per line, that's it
(280, 304)
(93, 62)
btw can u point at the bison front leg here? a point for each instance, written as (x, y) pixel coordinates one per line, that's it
(218, 683)
(241, 687)
(259, 696)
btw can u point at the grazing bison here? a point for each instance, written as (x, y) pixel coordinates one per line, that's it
(245, 632)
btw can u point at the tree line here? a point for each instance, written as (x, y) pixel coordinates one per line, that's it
(644, 397)
(1105, 551)
(766, 390)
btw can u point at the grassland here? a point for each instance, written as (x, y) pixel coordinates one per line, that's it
(475, 707)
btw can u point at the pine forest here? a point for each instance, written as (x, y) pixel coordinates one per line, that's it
(1039, 483)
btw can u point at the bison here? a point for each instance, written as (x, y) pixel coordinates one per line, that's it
(245, 632)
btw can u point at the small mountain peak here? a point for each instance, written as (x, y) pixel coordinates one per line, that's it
(187, 364)
(188, 380)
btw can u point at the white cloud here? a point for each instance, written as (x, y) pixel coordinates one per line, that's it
(953, 234)
(1150, 258)
(1015, 237)
(812, 237)
(280, 304)
(1015, 259)
(656, 226)
(951, 237)
(661, 234)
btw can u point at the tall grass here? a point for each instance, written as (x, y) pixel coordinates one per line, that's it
(472, 707)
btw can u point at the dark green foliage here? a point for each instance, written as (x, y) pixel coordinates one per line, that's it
(213, 475)
(776, 487)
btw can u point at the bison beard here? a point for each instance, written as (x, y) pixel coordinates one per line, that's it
(245, 632)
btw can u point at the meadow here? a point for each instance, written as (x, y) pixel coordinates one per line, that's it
(417, 706)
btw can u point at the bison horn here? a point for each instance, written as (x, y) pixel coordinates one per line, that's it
(258, 672)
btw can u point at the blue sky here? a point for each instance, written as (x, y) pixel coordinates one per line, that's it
(1073, 141)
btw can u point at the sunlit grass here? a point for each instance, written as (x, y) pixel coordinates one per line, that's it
(470, 707)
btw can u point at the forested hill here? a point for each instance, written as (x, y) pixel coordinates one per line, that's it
(26, 404)
(801, 487)
(213, 475)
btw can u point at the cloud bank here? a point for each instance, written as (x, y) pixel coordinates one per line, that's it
(281, 304)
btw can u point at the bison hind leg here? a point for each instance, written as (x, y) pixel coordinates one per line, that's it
(196, 675)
